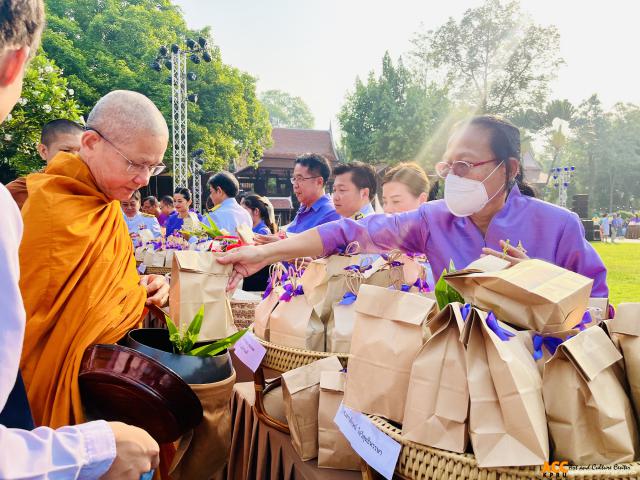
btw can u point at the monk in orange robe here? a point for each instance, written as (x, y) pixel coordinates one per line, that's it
(78, 274)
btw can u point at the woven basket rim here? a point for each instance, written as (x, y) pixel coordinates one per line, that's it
(299, 351)
(469, 459)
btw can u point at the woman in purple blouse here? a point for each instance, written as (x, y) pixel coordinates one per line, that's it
(486, 208)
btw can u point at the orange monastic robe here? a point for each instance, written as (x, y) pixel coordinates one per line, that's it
(78, 280)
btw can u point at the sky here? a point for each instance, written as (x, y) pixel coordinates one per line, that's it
(315, 49)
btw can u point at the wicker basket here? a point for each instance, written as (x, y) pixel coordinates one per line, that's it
(155, 270)
(283, 359)
(244, 312)
(419, 462)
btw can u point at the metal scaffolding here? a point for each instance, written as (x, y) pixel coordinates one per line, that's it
(183, 166)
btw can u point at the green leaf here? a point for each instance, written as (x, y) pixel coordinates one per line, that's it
(218, 346)
(196, 323)
(441, 291)
(170, 325)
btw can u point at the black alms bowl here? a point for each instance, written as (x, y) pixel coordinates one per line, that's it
(155, 343)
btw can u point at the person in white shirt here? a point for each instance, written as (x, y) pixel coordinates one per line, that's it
(99, 449)
(227, 213)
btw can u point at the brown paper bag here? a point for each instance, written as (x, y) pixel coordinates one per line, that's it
(268, 304)
(168, 259)
(154, 258)
(203, 453)
(334, 450)
(626, 327)
(343, 316)
(198, 279)
(590, 417)
(507, 423)
(295, 323)
(386, 338)
(437, 405)
(301, 393)
(533, 294)
(324, 282)
(544, 345)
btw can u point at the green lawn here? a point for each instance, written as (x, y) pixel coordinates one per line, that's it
(623, 270)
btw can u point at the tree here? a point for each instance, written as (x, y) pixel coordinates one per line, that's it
(108, 44)
(494, 58)
(605, 149)
(45, 96)
(286, 110)
(390, 118)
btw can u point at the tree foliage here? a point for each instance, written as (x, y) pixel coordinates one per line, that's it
(104, 45)
(286, 110)
(46, 96)
(605, 149)
(389, 118)
(493, 58)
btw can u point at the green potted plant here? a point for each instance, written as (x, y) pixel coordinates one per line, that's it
(179, 349)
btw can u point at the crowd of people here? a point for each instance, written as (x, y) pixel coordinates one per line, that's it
(610, 226)
(68, 276)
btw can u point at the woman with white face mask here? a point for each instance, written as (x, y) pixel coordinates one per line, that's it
(485, 205)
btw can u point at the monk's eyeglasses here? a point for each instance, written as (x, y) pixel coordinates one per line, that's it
(133, 168)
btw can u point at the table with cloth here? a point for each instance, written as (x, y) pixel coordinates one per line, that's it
(259, 451)
(633, 231)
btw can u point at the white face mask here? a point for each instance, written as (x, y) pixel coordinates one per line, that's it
(464, 196)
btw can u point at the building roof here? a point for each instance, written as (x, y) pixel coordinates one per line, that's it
(289, 143)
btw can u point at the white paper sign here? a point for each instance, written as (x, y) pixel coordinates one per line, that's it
(249, 351)
(378, 449)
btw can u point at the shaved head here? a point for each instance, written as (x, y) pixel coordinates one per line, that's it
(123, 115)
(125, 139)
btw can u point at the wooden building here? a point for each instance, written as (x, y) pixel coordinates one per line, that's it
(271, 176)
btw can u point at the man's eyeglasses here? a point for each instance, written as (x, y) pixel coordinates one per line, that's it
(295, 180)
(459, 168)
(133, 168)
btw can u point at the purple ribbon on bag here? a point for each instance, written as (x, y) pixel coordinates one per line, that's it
(586, 318)
(492, 323)
(465, 311)
(156, 245)
(290, 292)
(422, 285)
(348, 298)
(357, 268)
(550, 343)
(268, 290)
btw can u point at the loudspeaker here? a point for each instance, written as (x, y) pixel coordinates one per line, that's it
(580, 205)
(588, 229)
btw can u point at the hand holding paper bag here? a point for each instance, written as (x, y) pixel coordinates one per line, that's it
(198, 279)
(533, 294)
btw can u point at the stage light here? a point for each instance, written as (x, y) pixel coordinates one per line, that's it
(195, 58)
(193, 97)
(175, 48)
(202, 42)
(206, 56)
(167, 63)
(155, 65)
(191, 44)
(198, 152)
(191, 76)
(163, 50)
